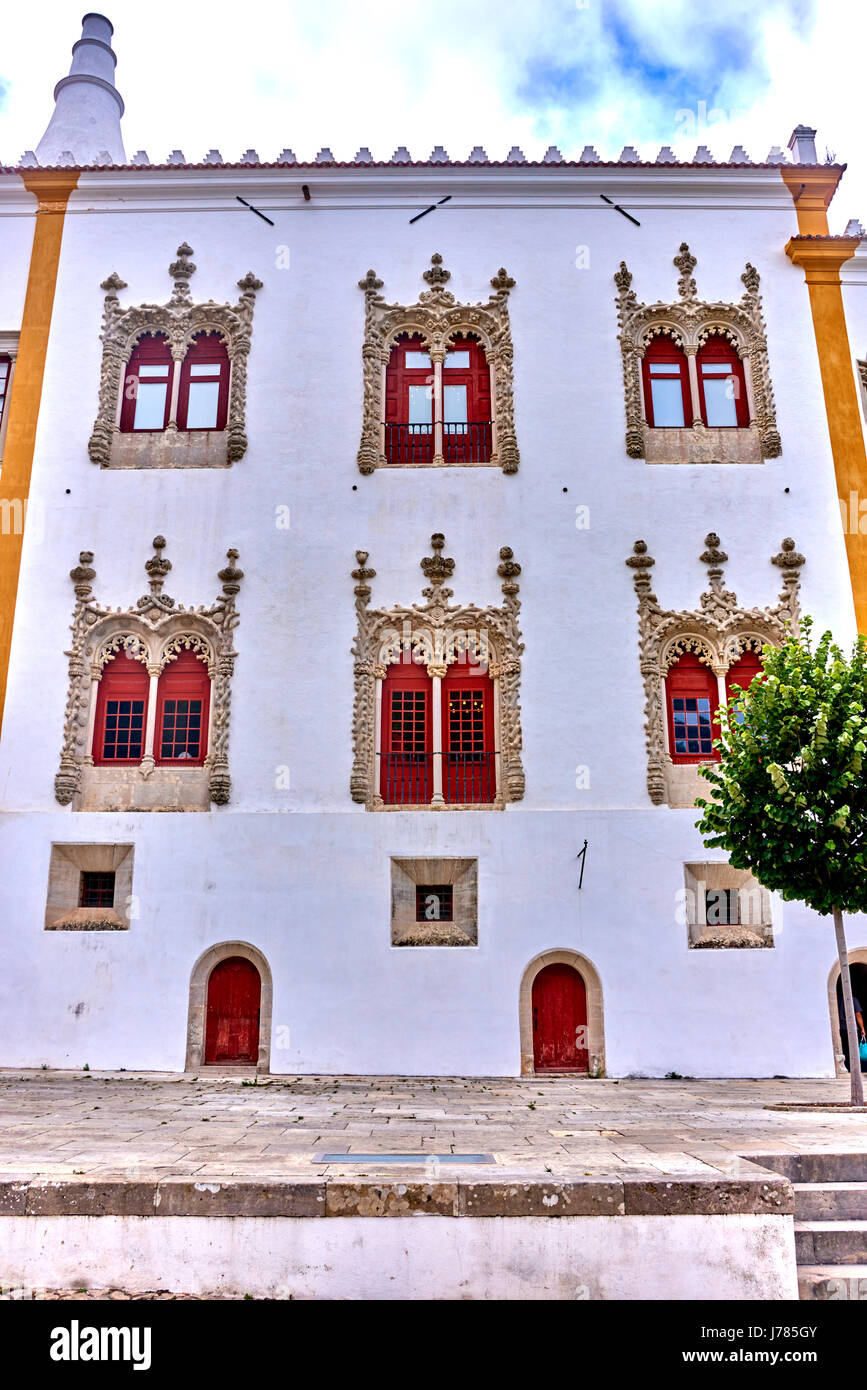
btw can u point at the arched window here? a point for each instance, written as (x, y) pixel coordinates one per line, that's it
(466, 403)
(743, 672)
(405, 774)
(203, 398)
(722, 387)
(667, 397)
(147, 387)
(183, 699)
(409, 402)
(469, 756)
(121, 710)
(692, 700)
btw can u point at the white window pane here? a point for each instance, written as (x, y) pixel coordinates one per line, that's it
(202, 407)
(717, 368)
(4, 371)
(665, 369)
(204, 369)
(417, 359)
(420, 405)
(667, 403)
(160, 369)
(719, 400)
(455, 405)
(150, 406)
(458, 359)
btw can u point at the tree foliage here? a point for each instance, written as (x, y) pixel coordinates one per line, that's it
(789, 795)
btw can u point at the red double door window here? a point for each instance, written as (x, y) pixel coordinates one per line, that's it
(183, 702)
(692, 698)
(468, 754)
(722, 389)
(203, 390)
(410, 405)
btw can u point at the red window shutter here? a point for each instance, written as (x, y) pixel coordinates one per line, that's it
(408, 430)
(406, 764)
(661, 357)
(154, 355)
(121, 712)
(714, 355)
(743, 672)
(205, 372)
(692, 701)
(183, 700)
(469, 755)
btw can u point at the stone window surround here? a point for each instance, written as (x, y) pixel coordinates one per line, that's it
(8, 348)
(857, 955)
(66, 865)
(710, 875)
(595, 1011)
(197, 1010)
(436, 630)
(717, 632)
(409, 873)
(689, 322)
(437, 319)
(180, 319)
(154, 632)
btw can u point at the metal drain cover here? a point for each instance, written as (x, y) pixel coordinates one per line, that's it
(373, 1159)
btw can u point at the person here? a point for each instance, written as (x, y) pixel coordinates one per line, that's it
(859, 1020)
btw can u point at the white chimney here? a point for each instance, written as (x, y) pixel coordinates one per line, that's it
(87, 105)
(802, 143)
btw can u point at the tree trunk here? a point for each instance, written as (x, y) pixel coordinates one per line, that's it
(857, 1087)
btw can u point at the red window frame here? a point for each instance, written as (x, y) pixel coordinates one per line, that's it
(149, 351)
(404, 444)
(5, 381)
(689, 679)
(206, 349)
(469, 771)
(474, 444)
(123, 679)
(406, 776)
(715, 350)
(444, 892)
(96, 889)
(664, 349)
(184, 679)
(743, 672)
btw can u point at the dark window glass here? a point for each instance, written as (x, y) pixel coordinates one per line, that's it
(433, 902)
(96, 890)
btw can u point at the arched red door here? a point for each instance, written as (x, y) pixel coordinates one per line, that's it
(232, 1019)
(560, 1020)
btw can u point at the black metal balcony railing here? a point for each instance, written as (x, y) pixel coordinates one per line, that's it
(409, 443)
(462, 443)
(467, 443)
(469, 778)
(406, 779)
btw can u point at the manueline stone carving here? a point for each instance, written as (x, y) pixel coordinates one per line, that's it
(153, 631)
(438, 633)
(180, 319)
(717, 632)
(690, 322)
(437, 318)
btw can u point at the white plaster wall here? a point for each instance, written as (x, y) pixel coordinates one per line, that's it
(433, 1257)
(304, 873)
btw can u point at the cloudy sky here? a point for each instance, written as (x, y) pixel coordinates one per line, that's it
(383, 73)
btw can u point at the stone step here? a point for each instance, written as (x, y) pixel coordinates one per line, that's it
(830, 1201)
(837, 1283)
(816, 1167)
(831, 1242)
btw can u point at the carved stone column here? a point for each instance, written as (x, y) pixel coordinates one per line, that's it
(436, 674)
(148, 762)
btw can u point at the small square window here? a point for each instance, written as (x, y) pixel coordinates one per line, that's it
(721, 907)
(433, 902)
(96, 889)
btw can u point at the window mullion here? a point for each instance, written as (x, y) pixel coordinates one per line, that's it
(147, 762)
(693, 385)
(437, 734)
(437, 356)
(174, 392)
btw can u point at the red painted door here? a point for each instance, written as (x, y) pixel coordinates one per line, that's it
(232, 1023)
(560, 1020)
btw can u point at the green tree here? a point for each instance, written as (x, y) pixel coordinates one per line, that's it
(789, 795)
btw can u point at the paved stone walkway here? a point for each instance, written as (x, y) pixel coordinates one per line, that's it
(149, 1125)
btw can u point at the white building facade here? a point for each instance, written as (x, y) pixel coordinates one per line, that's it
(424, 668)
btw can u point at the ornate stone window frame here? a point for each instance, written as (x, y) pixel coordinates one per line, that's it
(437, 318)
(717, 632)
(180, 319)
(153, 631)
(439, 632)
(689, 322)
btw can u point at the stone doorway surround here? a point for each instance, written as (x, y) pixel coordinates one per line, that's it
(595, 1017)
(857, 956)
(201, 973)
